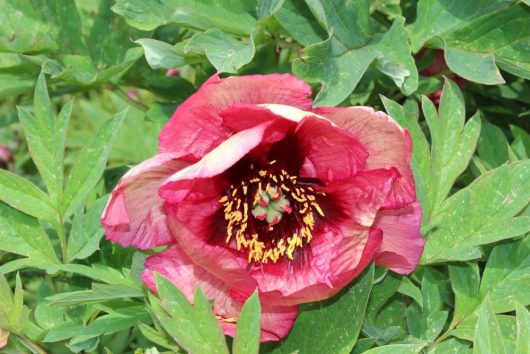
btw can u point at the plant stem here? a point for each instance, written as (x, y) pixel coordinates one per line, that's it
(62, 239)
(31, 345)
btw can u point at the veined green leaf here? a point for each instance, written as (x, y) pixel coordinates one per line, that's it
(13, 313)
(91, 163)
(487, 332)
(523, 329)
(397, 349)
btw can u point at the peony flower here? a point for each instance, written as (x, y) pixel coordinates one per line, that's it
(253, 189)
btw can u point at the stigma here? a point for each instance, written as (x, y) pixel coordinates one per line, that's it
(270, 215)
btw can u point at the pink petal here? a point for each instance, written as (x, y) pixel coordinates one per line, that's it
(135, 215)
(176, 266)
(388, 146)
(185, 182)
(196, 126)
(402, 245)
(342, 246)
(331, 154)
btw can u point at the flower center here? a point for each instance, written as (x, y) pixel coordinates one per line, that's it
(270, 215)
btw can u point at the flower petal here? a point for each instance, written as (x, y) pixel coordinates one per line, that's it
(342, 245)
(388, 146)
(402, 245)
(175, 265)
(331, 154)
(134, 215)
(196, 126)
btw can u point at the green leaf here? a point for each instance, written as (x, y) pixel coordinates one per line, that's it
(487, 332)
(98, 293)
(492, 145)
(428, 321)
(465, 281)
(46, 136)
(523, 329)
(193, 327)
(25, 196)
(86, 231)
(22, 235)
(452, 345)
(160, 55)
(199, 15)
(225, 53)
(333, 325)
(340, 61)
(248, 327)
(97, 272)
(13, 313)
(91, 163)
(505, 278)
(407, 287)
(296, 18)
(397, 349)
(381, 292)
(484, 33)
(482, 213)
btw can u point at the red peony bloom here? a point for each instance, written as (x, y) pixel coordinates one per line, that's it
(254, 189)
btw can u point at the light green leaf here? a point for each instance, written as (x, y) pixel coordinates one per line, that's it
(199, 15)
(397, 349)
(25, 196)
(159, 337)
(86, 231)
(465, 281)
(452, 346)
(46, 135)
(523, 329)
(97, 272)
(482, 213)
(13, 313)
(340, 61)
(98, 293)
(333, 325)
(248, 329)
(91, 163)
(225, 53)
(487, 332)
(22, 235)
(297, 19)
(193, 327)
(407, 287)
(160, 55)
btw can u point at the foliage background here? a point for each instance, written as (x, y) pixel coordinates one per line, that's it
(63, 289)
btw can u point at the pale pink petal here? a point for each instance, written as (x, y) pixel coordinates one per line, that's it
(196, 126)
(177, 267)
(135, 215)
(402, 242)
(388, 146)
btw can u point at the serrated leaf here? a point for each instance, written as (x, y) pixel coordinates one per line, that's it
(333, 325)
(200, 15)
(225, 53)
(340, 61)
(25, 196)
(22, 235)
(248, 329)
(487, 332)
(193, 327)
(482, 213)
(91, 163)
(86, 231)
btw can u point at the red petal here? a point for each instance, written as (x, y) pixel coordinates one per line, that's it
(402, 242)
(388, 146)
(196, 126)
(175, 265)
(134, 215)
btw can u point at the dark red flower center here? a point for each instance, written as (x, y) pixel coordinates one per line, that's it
(270, 215)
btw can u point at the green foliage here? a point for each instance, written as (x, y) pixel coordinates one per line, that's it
(85, 90)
